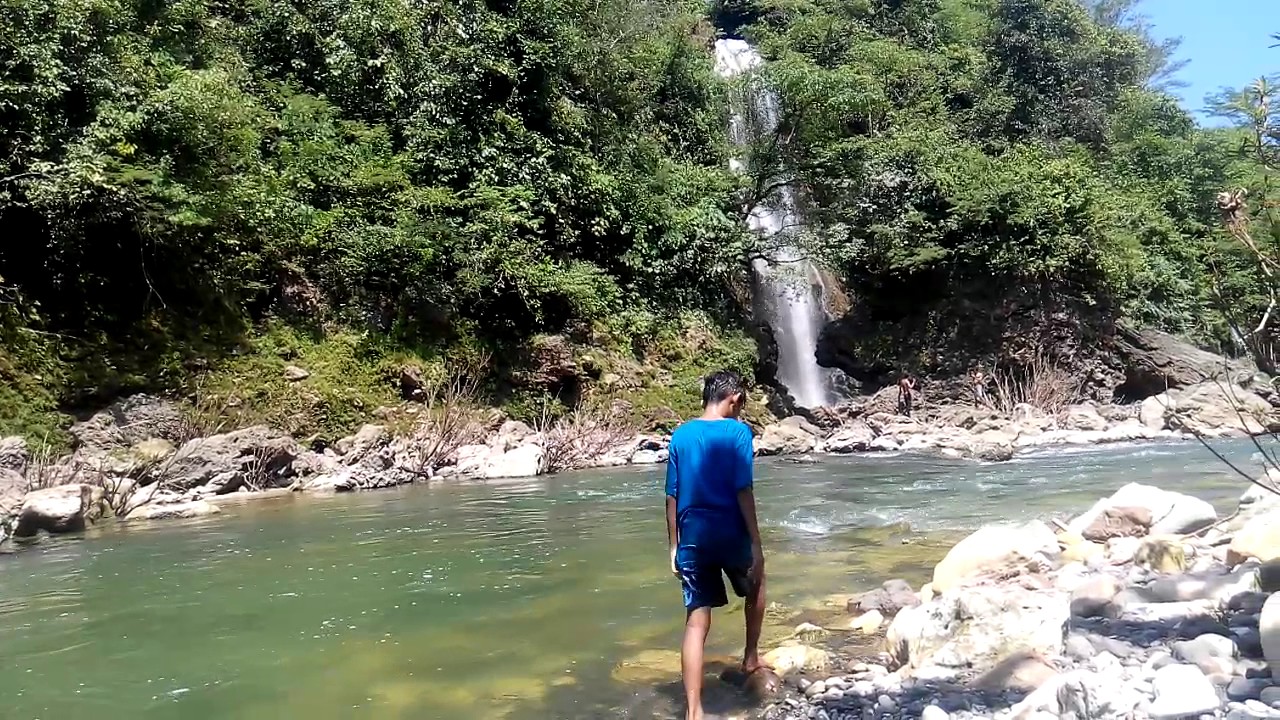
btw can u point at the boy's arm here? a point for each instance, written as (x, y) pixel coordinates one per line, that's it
(744, 483)
(672, 491)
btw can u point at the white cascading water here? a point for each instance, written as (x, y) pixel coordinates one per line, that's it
(790, 278)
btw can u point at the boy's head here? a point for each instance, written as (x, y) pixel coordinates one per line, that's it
(725, 392)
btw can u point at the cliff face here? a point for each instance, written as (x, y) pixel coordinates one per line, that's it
(945, 340)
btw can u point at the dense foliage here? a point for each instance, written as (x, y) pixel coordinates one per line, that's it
(440, 174)
(996, 145)
(180, 179)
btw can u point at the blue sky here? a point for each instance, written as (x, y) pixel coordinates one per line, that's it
(1227, 41)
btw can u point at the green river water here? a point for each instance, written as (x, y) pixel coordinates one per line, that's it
(546, 598)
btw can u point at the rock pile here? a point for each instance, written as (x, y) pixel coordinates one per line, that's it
(135, 460)
(1170, 615)
(1209, 409)
(142, 454)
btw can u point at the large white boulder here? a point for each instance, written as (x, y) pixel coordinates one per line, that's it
(1171, 513)
(976, 628)
(66, 508)
(523, 461)
(1219, 409)
(995, 548)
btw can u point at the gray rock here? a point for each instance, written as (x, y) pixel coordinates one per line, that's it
(888, 600)
(933, 712)
(186, 510)
(1270, 696)
(863, 688)
(1077, 647)
(1167, 612)
(513, 433)
(1115, 646)
(1172, 513)
(1217, 585)
(1096, 598)
(1241, 689)
(369, 439)
(13, 488)
(1210, 653)
(649, 457)
(1269, 630)
(791, 436)
(293, 373)
(1257, 707)
(132, 420)
(524, 461)
(1155, 362)
(262, 455)
(1084, 694)
(14, 454)
(1084, 417)
(359, 477)
(1213, 410)
(62, 509)
(885, 444)
(1248, 641)
(855, 437)
(1182, 690)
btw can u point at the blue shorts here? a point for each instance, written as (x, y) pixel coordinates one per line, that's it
(702, 577)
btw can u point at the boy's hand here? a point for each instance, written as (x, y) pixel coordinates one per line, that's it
(757, 563)
(674, 570)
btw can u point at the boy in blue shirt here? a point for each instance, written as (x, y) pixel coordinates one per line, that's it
(711, 525)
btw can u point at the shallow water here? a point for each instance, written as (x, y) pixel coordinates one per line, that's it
(530, 599)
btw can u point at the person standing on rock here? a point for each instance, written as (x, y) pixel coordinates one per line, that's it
(711, 526)
(979, 381)
(906, 394)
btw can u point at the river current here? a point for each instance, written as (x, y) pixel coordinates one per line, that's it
(545, 598)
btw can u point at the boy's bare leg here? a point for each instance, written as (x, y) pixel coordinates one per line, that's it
(755, 621)
(696, 626)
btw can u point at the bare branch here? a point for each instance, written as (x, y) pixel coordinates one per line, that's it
(573, 441)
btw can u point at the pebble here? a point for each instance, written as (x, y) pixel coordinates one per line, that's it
(1182, 690)
(1078, 648)
(1241, 689)
(1211, 653)
(933, 712)
(1270, 696)
(1255, 706)
(863, 688)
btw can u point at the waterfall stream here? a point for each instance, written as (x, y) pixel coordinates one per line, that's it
(791, 284)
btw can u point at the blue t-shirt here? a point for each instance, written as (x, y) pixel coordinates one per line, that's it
(710, 463)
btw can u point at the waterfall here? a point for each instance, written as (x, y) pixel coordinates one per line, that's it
(791, 284)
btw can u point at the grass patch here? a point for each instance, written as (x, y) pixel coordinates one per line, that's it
(348, 377)
(655, 367)
(674, 361)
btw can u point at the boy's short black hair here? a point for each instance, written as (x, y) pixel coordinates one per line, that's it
(719, 385)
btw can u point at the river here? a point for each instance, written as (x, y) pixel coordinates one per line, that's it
(519, 600)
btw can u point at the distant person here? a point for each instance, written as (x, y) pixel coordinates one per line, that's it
(712, 528)
(979, 380)
(906, 394)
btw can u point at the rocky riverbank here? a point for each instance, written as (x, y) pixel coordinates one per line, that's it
(1148, 605)
(140, 460)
